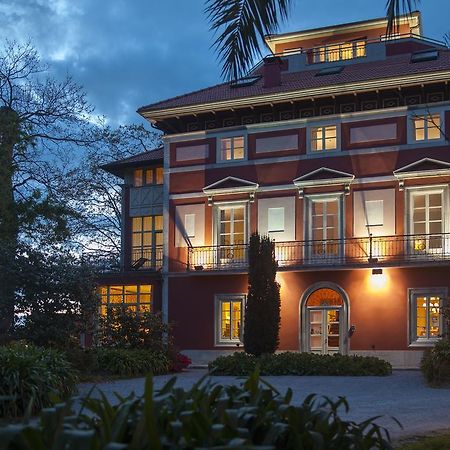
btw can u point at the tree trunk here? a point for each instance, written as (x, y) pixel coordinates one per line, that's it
(9, 223)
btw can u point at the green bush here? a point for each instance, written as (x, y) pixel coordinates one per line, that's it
(32, 377)
(129, 363)
(119, 362)
(252, 416)
(435, 363)
(123, 328)
(289, 363)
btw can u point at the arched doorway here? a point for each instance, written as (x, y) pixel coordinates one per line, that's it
(324, 319)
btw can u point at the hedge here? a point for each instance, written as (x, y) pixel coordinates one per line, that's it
(435, 364)
(289, 363)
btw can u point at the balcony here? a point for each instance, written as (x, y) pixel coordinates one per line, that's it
(147, 259)
(385, 251)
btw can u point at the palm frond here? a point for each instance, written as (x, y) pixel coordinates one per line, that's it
(394, 8)
(242, 25)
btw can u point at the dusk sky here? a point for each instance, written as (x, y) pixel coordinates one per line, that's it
(130, 53)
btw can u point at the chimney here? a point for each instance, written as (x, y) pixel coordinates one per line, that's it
(272, 71)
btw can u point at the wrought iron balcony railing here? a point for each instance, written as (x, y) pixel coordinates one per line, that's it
(147, 259)
(369, 252)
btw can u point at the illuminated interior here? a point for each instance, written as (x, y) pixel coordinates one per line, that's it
(137, 298)
(230, 320)
(428, 318)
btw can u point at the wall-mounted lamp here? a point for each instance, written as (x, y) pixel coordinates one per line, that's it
(377, 271)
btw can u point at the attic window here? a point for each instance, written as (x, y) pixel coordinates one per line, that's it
(329, 71)
(427, 55)
(245, 81)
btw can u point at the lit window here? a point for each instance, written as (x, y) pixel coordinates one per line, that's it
(145, 177)
(340, 52)
(137, 298)
(427, 127)
(232, 148)
(230, 310)
(147, 241)
(323, 138)
(426, 315)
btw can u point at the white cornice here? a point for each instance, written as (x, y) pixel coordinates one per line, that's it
(324, 91)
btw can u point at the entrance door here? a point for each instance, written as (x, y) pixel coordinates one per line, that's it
(324, 330)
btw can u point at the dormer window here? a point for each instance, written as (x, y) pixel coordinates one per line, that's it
(339, 52)
(146, 177)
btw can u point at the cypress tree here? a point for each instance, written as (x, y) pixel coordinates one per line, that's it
(262, 310)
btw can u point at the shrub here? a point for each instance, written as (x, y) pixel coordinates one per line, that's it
(289, 363)
(32, 377)
(253, 415)
(435, 363)
(130, 363)
(123, 328)
(179, 362)
(262, 309)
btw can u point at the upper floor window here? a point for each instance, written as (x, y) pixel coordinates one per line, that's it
(145, 177)
(232, 148)
(147, 241)
(339, 52)
(324, 138)
(427, 127)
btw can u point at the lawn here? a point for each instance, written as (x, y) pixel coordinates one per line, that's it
(438, 442)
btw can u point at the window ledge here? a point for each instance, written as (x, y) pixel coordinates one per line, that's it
(419, 344)
(232, 344)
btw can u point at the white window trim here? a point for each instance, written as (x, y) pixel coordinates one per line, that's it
(229, 205)
(413, 293)
(324, 151)
(219, 159)
(412, 131)
(441, 189)
(308, 223)
(218, 299)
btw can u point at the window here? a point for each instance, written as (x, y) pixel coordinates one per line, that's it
(425, 55)
(229, 318)
(145, 177)
(426, 319)
(339, 52)
(275, 220)
(329, 71)
(324, 227)
(323, 138)
(147, 241)
(232, 149)
(136, 298)
(427, 221)
(374, 212)
(189, 225)
(427, 127)
(231, 234)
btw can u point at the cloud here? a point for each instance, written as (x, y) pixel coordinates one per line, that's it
(131, 53)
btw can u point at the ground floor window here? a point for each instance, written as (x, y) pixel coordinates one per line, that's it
(426, 318)
(229, 319)
(136, 298)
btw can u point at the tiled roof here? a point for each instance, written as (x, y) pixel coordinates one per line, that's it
(151, 156)
(399, 65)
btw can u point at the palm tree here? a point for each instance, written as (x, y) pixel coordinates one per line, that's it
(243, 24)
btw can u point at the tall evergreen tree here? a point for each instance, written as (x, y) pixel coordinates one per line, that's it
(262, 310)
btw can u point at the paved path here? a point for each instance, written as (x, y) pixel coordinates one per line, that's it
(403, 395)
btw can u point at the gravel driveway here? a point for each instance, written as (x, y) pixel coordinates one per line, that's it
(403, 395)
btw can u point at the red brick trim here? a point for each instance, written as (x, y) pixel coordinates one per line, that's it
(447, 125)
(211, 143)
(301, 147)
(400, 139)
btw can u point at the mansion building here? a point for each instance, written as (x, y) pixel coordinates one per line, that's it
(336, 146)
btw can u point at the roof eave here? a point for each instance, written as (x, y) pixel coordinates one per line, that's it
(280, 97)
